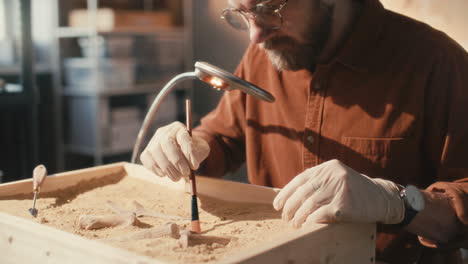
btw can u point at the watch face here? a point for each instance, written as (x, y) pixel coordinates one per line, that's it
(414, 198)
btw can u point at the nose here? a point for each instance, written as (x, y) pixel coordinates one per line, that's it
(258, 34)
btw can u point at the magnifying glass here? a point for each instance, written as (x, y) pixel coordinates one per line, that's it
(215, 77)
(223, 80)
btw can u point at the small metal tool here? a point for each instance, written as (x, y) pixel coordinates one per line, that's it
(39, 175)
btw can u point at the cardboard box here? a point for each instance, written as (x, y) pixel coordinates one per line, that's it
(108, 47)
(113, 20)
(108, 74)
(125, 114)
(25, 241)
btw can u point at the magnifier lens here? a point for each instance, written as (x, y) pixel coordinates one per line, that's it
(221, 79)
(214, 81)
(217, 82)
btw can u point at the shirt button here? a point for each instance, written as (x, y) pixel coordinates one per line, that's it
(310, 139)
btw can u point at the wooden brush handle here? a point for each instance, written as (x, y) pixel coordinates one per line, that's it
(39, 175)
(188, 110)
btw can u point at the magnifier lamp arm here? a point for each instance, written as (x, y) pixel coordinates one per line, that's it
(155, 107)
(207, 73)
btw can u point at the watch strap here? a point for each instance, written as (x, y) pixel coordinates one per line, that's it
(410, 212)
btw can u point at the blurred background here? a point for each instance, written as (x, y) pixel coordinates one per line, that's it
(77, 76)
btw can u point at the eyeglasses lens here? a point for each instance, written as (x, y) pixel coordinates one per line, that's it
(236, 20)
(266, 17)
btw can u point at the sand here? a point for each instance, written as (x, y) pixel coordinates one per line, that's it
(227, 227)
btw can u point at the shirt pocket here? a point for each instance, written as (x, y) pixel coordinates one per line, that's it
(389, 158)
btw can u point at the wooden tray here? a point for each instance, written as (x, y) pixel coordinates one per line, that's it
(24, 241)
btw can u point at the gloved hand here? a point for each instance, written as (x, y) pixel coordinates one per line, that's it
(333, 192)
(172, 152)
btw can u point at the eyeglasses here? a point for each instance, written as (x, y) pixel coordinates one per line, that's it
(266, 15)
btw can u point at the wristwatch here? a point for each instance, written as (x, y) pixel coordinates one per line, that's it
(414, 203)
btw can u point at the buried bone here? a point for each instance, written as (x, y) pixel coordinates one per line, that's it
(169, 229)
(184, 238)
(188, 238)
(89, 222)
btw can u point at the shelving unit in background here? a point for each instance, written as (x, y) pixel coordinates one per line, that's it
(109, 77)
(19, 97)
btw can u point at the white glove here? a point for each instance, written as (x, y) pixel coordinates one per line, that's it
(333, 192)
(172, 152)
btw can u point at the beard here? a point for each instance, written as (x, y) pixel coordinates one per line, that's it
(287, 53)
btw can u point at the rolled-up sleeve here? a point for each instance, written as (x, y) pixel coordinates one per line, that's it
(447, 135)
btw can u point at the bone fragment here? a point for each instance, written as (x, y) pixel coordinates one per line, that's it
(89, 222)
(169, 229)
(184, 238)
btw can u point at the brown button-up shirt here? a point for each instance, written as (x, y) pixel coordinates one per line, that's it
(393, 104)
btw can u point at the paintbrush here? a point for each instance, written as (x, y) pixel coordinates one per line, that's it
(195, 219)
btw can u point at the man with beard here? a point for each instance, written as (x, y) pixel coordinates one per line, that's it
(355, 84)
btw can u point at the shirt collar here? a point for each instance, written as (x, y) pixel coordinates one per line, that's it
(357, 50)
